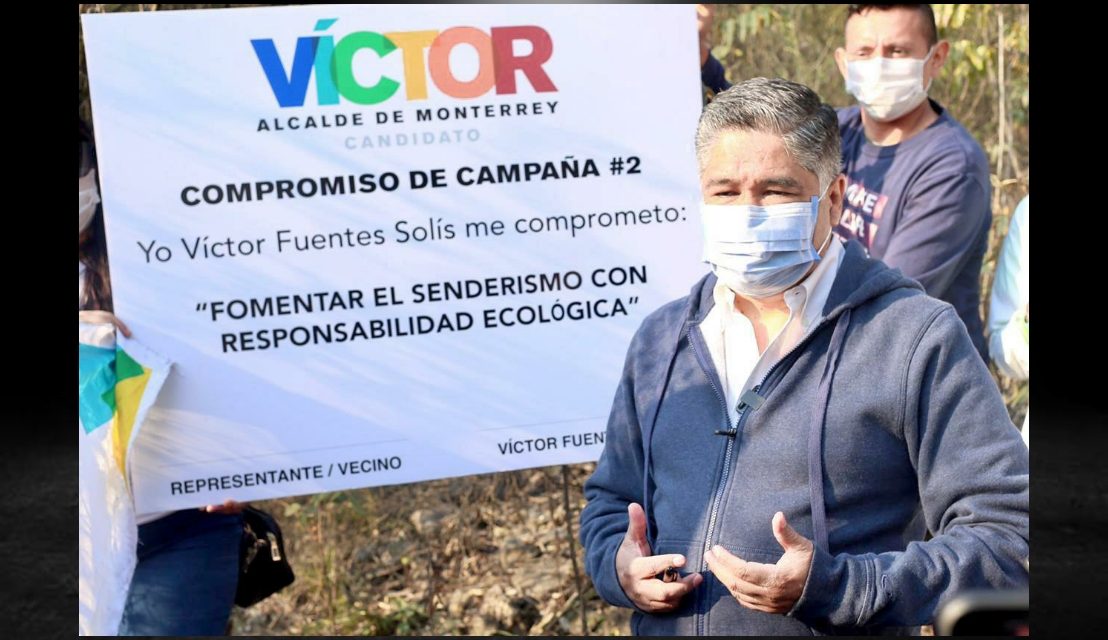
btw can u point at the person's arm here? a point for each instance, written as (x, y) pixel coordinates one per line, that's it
(939, 226)
(711, 71)
(1008, 344)
(107, 317)
(973, 485)
(618, 556)
(616, 483)
(711, 74)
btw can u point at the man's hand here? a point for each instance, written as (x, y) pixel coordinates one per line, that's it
(704, 16)
(638, 570)
(772, 588)
(103, 317)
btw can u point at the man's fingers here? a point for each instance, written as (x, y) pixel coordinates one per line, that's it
(749, 589)
(739, 587)
(636, 528)
(722, 561)
(757, 605)
(786, 536)
(651, 566)
(674, 591)
(762, 587)
(670, 592)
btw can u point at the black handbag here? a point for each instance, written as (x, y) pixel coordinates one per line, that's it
(263, 566)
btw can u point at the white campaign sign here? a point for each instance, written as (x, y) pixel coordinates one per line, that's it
(386, 244)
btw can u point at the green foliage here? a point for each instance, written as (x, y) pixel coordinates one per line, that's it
(798, 41)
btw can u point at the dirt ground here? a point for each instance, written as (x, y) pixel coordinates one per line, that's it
(483, 555)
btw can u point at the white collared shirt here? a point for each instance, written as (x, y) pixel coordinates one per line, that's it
(730, 335)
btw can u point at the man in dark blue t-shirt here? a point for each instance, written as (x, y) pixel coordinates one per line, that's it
(918, 195)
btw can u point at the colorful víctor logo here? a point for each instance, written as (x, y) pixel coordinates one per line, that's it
(333, 63)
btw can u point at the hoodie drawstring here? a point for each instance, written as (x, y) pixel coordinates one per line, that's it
(815, 434)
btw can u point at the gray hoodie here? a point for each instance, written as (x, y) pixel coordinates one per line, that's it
(881, 425)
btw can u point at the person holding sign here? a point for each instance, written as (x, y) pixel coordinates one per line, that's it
(784, 438)
(94, 290)
(188, 561)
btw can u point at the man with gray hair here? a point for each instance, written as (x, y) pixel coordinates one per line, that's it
(784, 437)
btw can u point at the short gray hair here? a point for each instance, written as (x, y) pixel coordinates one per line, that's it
(808, 128)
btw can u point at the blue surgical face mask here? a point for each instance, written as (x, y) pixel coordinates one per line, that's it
(759, 252)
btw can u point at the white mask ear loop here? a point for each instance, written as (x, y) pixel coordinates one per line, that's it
(827, 242)
(926, 59)
(830, 230)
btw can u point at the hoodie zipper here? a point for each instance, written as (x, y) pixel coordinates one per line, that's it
(732, 432)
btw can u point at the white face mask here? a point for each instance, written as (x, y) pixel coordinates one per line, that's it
(760, 251)
(887, 88)
(90, 197)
